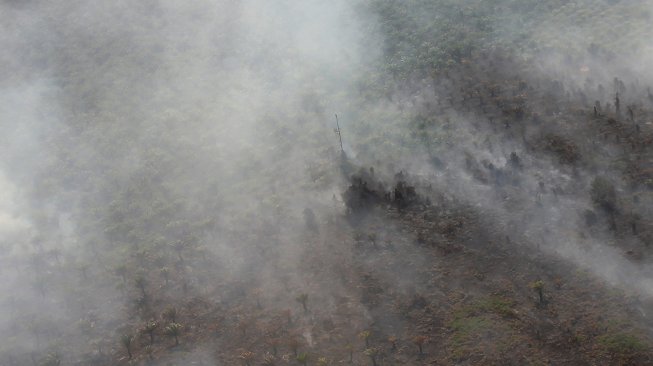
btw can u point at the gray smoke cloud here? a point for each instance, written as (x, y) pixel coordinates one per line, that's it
(188, 139)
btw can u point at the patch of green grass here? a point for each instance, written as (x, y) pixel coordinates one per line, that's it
(466, 328)
(473, 320)
(617, 324)
(583, 275)
(498, 305)
(508, 342)
(622, 343)
(459, 353)
(579, 338)
(492, 304)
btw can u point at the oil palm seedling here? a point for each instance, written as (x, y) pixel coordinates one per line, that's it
(173, 330)
(179, 247)
(149, 351)
(303, 299)
(40, 285)
(142, 257)
(365, 336)
(140, 283)
(372, 239)
(287, 313)
(52, 359)
(165, 273)
(141, 303)
(393, 343)
(120, 286)
(97, 344)
(309, 220)
(127, 341)
(350, 349)
(242, 326)
(274, 344)
(372, 353)
(149, 328)
(293, 344)
(538, 286)
(269, 360)
(83, 269)
(56, 255)
(85, 326)
(170, 314)
(36, 262)
(302, 358)
(121, 271)
(257, 294)
(604, 196)
(419, 342)
(34, 326)
(247, 357)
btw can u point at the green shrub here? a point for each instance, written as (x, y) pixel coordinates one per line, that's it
(622, 343)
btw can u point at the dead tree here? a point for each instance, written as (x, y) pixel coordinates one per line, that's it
(617, 104)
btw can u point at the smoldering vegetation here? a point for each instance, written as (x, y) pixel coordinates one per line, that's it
(172, 190)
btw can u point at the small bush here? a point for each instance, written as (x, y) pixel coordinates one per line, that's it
(173, 330)
(538, 286)
(303, 299)
(621, 343)
(603, 194)
(493, 304)
(566, 151)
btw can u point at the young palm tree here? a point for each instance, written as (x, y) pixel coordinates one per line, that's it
(269, 360)
(365, 335)
(83, 269)
(302, 358)
(274, 344)
(140, 283)
(288, 315)
(40, 285)
(165, 272)
(393, 342)
(538, 286)
(149, 351)
(257, 293)
(149, 328)
(52, 359)
(127, 340)
(372, 238)
(56, 255)
(142, 257)
(372, 353)
(174, 330)
(419, 341)
(350, 348)
(242, 325)
(179, 247)
(247, 357)
(303, 299)
(121, 271)
(293, 343)
(170, 314)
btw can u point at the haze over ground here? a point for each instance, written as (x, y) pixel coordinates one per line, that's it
(162, 155)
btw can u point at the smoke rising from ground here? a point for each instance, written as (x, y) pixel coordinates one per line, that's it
(195, 140)
(221, 105)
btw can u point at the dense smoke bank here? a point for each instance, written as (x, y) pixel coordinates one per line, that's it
(172, 190)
